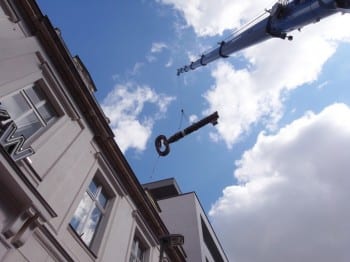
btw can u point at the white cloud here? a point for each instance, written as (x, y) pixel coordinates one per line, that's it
(151, 58)
(131, 123)
(158, 47)
(193, 118)
(211, 17)
(169, 63)
(323, 85)
(246, 96)
(255, 94)
(291, 202)
(136, 69)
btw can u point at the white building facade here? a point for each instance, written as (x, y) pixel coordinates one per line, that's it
(182, 213)
(67, 192)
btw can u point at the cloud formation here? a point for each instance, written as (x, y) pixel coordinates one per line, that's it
(255, 94)
(158, 47)
(291, 202)
(212, 17)
(131, 123)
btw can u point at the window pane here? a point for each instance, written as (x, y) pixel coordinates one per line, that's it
(133, 247)
(15, 105)
(91, 225)
(35, 94)
(89, 213)
(46, 112)
(81, 214)
(24, 114)
(27, 125)
(75, 222)
(139, 253)
(93, 188)
(102, 199)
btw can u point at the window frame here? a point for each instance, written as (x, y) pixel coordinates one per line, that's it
(137, 245)
(94, 197)
(102, 176)
(144, 240)
(49, 98)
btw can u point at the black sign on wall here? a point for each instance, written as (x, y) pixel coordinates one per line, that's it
(13, 144)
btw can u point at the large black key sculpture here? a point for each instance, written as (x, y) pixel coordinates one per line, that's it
(162, 143)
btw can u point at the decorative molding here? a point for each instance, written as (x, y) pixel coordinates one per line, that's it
(9, 10)
(53, 247)
(107, 169)
(50, 77)
(144, 228)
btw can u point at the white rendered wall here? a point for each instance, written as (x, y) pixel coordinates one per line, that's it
(180, 216)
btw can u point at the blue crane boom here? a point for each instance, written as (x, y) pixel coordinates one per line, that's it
(284, 17)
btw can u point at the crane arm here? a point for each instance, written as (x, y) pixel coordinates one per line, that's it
(284, 17)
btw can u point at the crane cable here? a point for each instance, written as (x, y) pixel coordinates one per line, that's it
(250, 22)
(183, 115)
(246, 25)
(182, 110)
(235, 32)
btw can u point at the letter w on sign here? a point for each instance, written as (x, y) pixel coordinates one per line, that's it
(13, 145)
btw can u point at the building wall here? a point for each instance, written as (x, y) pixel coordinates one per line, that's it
(39, 194)
(183, 214)
(180, 215)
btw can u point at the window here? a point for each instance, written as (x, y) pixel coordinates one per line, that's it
(30, 110)
(89, 213)
(137, 251)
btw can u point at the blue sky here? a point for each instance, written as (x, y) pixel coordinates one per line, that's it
(283, 126)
